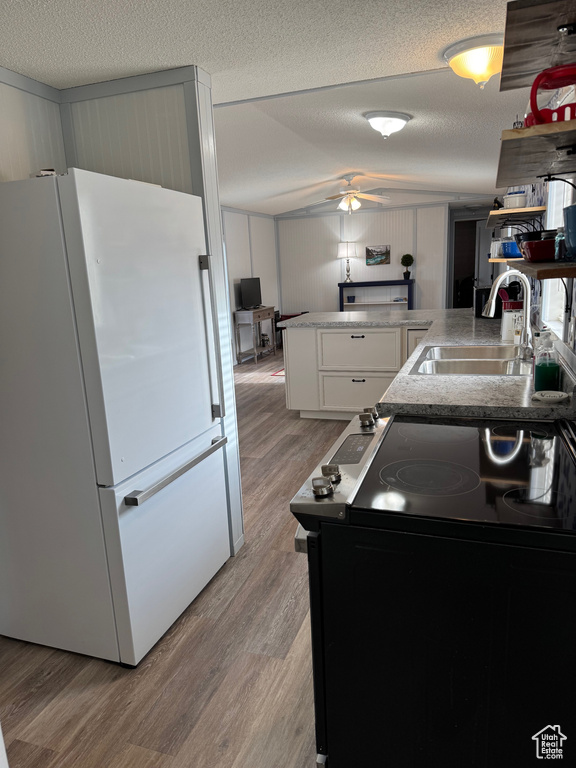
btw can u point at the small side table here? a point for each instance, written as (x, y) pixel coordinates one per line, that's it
(254, 318)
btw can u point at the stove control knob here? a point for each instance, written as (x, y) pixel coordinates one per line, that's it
(321, 486)
(366, 419)
(372, 411)
(332, 472)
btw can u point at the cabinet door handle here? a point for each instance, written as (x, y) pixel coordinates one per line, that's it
(358, 381)
(358, 337)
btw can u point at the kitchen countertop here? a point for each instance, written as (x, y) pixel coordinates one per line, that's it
(506, 397)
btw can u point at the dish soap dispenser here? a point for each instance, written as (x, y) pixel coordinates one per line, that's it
(547, 368)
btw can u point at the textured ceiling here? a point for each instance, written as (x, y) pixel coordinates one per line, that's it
(283, 153)
(250, 47)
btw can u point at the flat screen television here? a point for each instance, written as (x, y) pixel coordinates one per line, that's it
(250, 295)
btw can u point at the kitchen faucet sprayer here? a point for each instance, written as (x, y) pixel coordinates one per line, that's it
(525, 350)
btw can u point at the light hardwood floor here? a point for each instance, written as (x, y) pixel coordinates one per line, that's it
(229, 685)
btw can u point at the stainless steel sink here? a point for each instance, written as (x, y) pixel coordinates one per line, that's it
(500, 352)
(478, 360)
(475, 367)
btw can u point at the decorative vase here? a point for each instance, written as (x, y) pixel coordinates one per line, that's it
(407, 275)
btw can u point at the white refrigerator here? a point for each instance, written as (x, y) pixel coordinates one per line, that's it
(113, 495)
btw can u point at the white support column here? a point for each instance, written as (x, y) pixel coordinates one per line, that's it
(204, 172)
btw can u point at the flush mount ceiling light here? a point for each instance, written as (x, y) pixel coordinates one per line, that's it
(387, 122)
(477, 58)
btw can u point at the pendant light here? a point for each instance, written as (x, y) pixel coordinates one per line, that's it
(477, 58)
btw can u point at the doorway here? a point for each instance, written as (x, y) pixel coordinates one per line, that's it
(469, 251)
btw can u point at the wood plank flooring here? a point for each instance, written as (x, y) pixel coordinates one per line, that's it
(229, 685)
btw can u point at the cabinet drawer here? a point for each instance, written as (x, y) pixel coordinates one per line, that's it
(265, 314)
(351, 392)
(356, 349)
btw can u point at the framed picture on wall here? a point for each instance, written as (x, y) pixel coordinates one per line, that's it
(377, 254)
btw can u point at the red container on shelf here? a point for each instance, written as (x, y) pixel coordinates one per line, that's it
(508, 306)
(550, 80)
(538, 250)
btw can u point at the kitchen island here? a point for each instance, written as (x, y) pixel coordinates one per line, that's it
(476, 396)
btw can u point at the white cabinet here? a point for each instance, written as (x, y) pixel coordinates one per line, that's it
(374, 349)
(336, 372)
(414, 337)
(352, 392)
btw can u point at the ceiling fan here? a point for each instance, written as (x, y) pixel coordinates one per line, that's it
(348, 196)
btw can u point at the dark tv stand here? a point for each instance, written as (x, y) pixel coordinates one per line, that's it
(348, 288)
(254, 318)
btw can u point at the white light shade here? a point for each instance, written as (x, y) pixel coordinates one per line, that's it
(387, 122)
(349, 203)
(347, 251)
(477, 58)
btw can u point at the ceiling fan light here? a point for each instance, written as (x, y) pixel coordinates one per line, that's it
(343, 204)
(478, 58)
(349, 203)
(387, 122)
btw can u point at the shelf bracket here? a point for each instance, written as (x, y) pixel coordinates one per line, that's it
(570, 149)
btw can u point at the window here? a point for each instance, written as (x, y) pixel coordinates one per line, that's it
(553, 293)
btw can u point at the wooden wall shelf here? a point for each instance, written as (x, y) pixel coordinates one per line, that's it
(500, 217)
(529, 153)
(544, 270)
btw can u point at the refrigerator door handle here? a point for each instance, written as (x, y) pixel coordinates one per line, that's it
(135, 498)
(214, 347)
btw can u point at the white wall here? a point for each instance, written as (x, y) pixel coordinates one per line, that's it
(431, 257)
(141, 135)
(250, 243)
(310, 271)
(30, 134)
(264, 261)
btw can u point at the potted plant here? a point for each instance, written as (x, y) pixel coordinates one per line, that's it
(407, 260)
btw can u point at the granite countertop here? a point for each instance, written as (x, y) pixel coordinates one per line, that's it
(506, 397)
(392, 317)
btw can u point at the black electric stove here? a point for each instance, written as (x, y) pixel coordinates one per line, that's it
(442, 569)
(507, 473)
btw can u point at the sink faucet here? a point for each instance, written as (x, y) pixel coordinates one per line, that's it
(525, 350)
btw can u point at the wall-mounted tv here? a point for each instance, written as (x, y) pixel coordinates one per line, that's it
(250, 295)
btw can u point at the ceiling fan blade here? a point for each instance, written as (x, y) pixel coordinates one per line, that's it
(336, 197)
(374, 198)
(317, 202)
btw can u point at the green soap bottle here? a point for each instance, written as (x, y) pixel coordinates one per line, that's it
(546, 369)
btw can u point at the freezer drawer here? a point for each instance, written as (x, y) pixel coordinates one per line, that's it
(164, 551)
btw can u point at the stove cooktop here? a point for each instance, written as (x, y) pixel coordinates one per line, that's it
(514, 473)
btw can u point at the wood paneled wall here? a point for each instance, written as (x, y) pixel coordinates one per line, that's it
(30, 134)
(141, 135)
(250, 243)
(310, 270)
